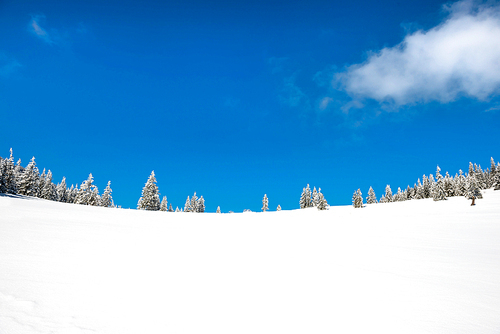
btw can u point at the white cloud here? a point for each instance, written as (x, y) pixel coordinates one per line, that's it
(323, 104)
(36, 28)
(459, 57)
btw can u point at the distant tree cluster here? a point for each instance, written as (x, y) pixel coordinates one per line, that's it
(439, 187)
(310, 199)
(27, 181)
(150, 200)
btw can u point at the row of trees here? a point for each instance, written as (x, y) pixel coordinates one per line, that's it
(310, 199)
(150, 200)
(440, 187)
(18, 180)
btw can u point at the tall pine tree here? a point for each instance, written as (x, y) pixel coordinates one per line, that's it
(150, 199)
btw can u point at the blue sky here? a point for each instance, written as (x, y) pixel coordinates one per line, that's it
(237, 99)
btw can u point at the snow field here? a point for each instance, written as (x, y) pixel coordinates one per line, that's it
(408, 267)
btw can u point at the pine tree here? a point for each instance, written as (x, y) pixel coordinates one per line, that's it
(40, 184)
(201, 204)
(28, 184)
(8, 183)
(382, 199)
(473, 190)
(150, 195)
(194, 203)
(95, 199)
(322, 203)
(86, 193)
(278, 208)
(388, 194)
(48, 190)
(107, 199)
(218, 209)
(303, 202)
(357, 199)
(177, 209)
(371, 198)
(187, 206)
(62, 191)
(265, 203)
(170, 208)
(419, 190)
(164, 204)
(315, 198)
(448, 185)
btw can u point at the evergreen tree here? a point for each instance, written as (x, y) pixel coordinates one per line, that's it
(95, 199)
(201, 204)
(448, 185)
(419, 190)
(218, 209)
(107, 199)
(62, 191)
(87, 193)
(48, 190)
(8, 183)
(170, 209)
(315, 198)
(460, 185)
(473, 190)
(164, 204)
(371, 198)
(426, 187)
(303, 201)
(388, 194)
(150, 195)
(322, 203)
(187, 206)
(278, 208)
(177, 209)
(265, 203)
(40, 184)
(357, 199)
(72, 193)
(194, 203)
(28, 184)
(382, 199)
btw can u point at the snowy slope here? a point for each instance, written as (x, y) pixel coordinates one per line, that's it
(409, 267)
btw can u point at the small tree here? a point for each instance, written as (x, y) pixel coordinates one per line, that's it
(371, 198)
(187, 205)
(194, 203)
(107, 199)
(322, 203)
(388, 194)
(164, 204)
(265, 203)
(278, 208)
(28, 184)
(315, 198)
(170, 208)
(357, 199)
(201, 204)
(473, 191)
(218, 209)
(62, 191)
(150, 195)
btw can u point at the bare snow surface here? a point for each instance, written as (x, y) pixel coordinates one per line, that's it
(409, 267)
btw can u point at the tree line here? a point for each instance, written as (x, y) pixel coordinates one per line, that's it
(439, 187)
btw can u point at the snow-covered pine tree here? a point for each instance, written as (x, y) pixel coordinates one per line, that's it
(18, 174)
(357, 199)
(177, 209)
(265, 203)
(388, 194)
(40, 184)
(107, 199)
(460, 187)
(150, 195)
(315, 198)
(194, 203)
(382, 199)
(371, 198)
(28, 184)
(201, 204)
(419, 190)
(95, 199)
(187, 205)
(473, 190)
(62, 191)
(278, 208)
(308, 197)
(8, 181)
(48, 190)
(426, 187)
(86, 194)
(72, 193)
(496, 178)
(448, 185)
(322, 203)
(170, 208)
(438, 193)
(303, 202)
(218, 209)
(164, 204)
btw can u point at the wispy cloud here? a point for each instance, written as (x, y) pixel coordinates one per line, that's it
(8, 65)
(36, 28)
(459, 57)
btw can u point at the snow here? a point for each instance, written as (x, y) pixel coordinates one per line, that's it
(408, 267)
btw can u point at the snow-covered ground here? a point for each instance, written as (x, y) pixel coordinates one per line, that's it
(407, 267)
